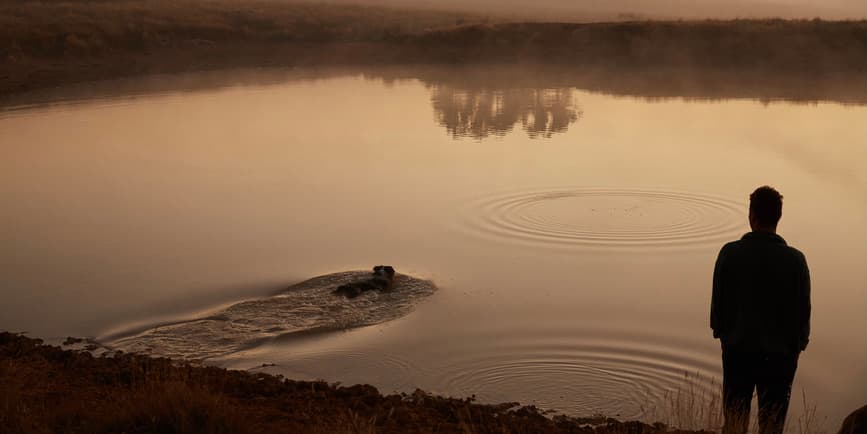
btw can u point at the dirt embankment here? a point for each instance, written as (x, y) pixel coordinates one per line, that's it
(45, 44)
(47, 389)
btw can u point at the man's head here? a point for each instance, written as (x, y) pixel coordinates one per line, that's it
(766, 207)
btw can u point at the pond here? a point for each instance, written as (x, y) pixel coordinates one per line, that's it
(570, 231)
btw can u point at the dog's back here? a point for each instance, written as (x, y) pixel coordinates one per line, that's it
(382, 279)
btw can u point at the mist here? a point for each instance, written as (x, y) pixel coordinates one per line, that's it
(588, 10)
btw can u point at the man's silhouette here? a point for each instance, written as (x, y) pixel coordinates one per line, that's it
(760, 311)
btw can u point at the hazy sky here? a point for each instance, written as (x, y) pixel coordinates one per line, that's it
(601, 9)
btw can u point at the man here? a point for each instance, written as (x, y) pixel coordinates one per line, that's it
(760, 312)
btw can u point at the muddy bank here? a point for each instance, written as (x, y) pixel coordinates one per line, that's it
(49, 389)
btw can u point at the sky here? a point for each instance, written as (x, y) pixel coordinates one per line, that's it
(601, 9)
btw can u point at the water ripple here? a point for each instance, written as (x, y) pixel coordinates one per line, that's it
(604, 218)
(615, 378)
(303, 309)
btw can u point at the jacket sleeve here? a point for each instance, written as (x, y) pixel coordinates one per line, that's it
(804, 303)
(716, 302)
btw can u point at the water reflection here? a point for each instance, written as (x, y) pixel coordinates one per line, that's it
(480, 113)
(480, 101)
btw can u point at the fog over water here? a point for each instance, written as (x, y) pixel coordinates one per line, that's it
(570, 233)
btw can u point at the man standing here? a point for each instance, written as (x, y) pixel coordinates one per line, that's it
(760, 311)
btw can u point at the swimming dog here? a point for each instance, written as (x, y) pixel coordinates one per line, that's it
(382, 280)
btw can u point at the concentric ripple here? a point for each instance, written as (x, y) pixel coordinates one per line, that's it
(604, 217)
(581, 378)
(303, 309)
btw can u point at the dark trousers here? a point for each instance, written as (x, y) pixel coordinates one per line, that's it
(771, 376)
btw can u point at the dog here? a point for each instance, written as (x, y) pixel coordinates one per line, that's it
(382, 280)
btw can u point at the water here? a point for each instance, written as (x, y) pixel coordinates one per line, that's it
(304, 309)
(584, 218)
(570, 233)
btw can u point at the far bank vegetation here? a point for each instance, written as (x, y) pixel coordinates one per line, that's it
(46, 42)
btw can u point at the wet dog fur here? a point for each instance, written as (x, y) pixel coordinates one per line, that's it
(381, 280)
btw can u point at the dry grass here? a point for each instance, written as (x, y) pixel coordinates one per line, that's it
(45, 389)
(153, 402)
(696, 404)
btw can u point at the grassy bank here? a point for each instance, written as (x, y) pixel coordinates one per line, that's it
(46, 389)
(45, 44)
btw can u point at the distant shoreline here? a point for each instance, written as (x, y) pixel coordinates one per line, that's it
(47, 389)
(91, 41)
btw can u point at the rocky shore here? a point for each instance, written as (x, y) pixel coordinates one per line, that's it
(46, 389)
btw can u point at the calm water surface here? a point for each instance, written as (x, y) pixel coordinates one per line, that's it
(571, 234)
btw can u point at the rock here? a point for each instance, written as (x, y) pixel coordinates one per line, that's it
(855, 423)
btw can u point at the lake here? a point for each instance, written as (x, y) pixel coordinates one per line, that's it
(570, 232)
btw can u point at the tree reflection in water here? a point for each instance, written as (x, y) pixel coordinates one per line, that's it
(479, 113)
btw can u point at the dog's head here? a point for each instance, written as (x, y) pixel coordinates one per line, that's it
(384, 271)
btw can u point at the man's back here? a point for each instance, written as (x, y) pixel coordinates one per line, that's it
(761, 296)
(760, 311)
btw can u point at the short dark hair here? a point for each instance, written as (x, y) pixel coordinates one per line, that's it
(766, 205)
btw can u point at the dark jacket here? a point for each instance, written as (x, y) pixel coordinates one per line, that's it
(761, 296)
